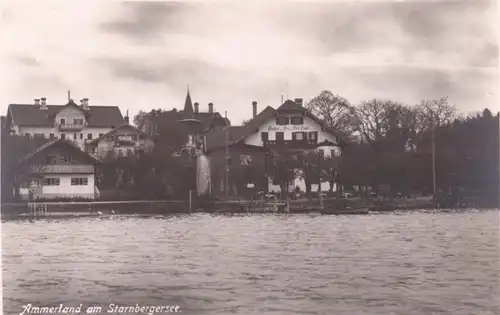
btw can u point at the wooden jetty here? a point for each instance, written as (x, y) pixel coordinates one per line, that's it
(346, 211)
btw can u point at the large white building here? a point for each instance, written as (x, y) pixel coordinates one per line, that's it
(290, 130)
(79, 123)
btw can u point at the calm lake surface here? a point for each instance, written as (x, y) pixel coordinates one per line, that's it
(407, 263)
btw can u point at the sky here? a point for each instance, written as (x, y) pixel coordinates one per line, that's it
(143, 55)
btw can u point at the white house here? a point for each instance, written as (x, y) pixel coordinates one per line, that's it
(78, 123)
(58, 169)
(290, 129)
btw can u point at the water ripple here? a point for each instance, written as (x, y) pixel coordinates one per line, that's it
(405, 263)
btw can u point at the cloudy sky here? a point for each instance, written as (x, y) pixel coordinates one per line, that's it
(142, 55)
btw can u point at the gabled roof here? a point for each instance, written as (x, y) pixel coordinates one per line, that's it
(207, 120)
(290, 105)
(59, 143)
(217, 139)
(115, 130)
(33, 116)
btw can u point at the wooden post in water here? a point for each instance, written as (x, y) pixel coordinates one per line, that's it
(320, 200)
(190, 201)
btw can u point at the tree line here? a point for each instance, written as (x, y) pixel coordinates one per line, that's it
(390, 144)
(385, 145)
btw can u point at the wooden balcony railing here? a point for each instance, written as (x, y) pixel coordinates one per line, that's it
(70, 126)
(61, 169)
(291, 144)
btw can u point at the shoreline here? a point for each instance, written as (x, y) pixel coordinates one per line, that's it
(148, 208)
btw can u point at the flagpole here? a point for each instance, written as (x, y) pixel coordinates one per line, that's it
(226, 164)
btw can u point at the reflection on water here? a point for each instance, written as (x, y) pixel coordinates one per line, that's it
(414, 263)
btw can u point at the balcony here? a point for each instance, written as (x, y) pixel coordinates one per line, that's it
(61, 169)
(291, 144)
(70, 127)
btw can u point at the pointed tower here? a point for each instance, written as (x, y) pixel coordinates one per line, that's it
(188, 105)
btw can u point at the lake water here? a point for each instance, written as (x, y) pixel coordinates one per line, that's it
(407, 263)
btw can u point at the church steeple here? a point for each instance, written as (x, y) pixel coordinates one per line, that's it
(188, 105)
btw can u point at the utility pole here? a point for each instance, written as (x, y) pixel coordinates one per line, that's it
(433, 140)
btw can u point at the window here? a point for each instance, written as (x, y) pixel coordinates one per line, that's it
(129, 152)
(51, 136)
(81, 136)
(297, 120)
(321, 152)
(93, 150)
(280, 136)
(313, 135)
(39, 135)
(245, 160)
(74, 136)
(120, 153)
(63, 121)
(100, 135)
(66, 159)
(264, 136)
(51, 182)
(78, 121)
(134, 137)
(79, 181)
(89, 136)
(282, 120)
(63, 136)
(27, 134)
(299, 136)
(50, 159)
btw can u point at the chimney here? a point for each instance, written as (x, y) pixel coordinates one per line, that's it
(254, 108)
(298, 101)
(210, 107)
(37, 102)
(126, 118)
(196, 107)
(85, 103)
(43, 104)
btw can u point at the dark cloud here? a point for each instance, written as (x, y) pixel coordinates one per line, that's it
(439, 26)
(145, 20)
(408, 84)
(175, 72)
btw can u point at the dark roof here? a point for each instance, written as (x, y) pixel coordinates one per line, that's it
(114, 130)
(207, 120)
(290, 105)
(216, 138)
(32, 115)
(59, 142)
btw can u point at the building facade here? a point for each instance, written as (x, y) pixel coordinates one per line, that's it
(290, 130)
(120, 142)
(78, 123)
(58, 169)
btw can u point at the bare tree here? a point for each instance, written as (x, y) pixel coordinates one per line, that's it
(374, 119)
(336, 112)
